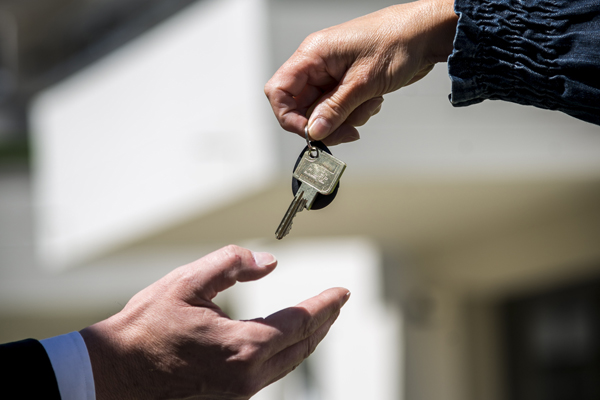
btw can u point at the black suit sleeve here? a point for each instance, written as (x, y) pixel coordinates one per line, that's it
(26, 371)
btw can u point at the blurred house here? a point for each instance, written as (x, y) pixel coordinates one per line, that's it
(470, 238)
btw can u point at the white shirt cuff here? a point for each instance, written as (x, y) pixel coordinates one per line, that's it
(72, 367)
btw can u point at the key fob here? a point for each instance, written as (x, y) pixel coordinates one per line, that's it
(321, 201)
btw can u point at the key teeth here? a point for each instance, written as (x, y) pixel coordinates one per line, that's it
(289, 228)
(284, 234)
(300, 206)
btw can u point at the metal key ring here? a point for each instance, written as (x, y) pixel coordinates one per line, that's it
(311, 148)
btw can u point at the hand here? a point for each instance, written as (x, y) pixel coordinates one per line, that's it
(171, 341)
(343, 72)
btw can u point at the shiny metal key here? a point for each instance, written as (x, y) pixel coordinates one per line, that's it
(319, 173)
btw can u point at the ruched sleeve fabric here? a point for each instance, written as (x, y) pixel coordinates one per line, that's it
(544, 53)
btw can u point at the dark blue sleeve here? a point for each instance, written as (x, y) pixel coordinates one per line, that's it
(544, 53)
(26, 371)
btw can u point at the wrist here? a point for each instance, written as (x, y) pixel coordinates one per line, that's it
(439, 29)
(109, 360)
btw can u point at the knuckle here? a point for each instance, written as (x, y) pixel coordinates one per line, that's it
(232, 254)
(313, 41)
(363, 78)
(314, 49)
(268, 88)
(310, 325)
(249, 355)
(337, 107)
(286, 121)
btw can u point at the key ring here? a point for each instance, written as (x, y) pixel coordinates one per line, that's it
(311, 148)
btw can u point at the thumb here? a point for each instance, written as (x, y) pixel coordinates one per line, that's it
(221, 269)
(334, 108)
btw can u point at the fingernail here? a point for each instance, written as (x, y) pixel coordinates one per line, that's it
(346, 297)
(319, 129)
(264, 259)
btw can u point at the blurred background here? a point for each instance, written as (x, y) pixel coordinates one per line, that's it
(135, 137)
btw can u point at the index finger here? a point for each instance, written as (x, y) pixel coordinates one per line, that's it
(295, 87)
(282, 91)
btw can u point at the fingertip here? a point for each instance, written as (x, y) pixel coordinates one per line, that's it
(377, 111)
(377, 101)
(338, 294)
(346, 298)
(264, 260)
(352, 137)
(377, 104)
(345, 134)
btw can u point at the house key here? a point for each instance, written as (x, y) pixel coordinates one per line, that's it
(315, 182)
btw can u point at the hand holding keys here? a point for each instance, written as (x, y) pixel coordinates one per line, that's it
(317, 173)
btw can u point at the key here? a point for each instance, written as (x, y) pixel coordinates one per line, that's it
(321, 201)
(319, 174)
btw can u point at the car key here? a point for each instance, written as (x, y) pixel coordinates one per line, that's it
(319, 174)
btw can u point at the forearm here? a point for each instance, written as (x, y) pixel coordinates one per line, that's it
(543, 55)
(439, 28)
